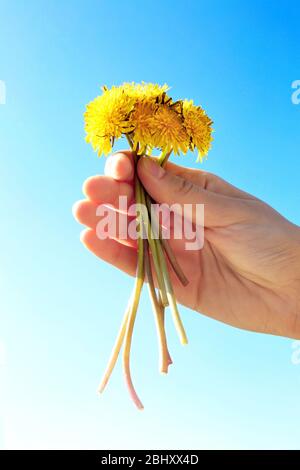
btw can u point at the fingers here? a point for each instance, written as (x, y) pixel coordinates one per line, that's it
(120, 166)
(120, 256)
(90, 213)
(207, 181)
(119, 170)
(166, 187)
(106, 190)
(181, 185)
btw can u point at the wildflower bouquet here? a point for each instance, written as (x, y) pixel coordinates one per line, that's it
(149, 119)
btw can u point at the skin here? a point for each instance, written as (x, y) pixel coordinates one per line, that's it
(248, 272)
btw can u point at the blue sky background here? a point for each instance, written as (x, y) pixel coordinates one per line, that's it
(60, 306)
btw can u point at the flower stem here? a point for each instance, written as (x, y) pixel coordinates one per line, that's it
(152, 244)
(171, 256)
(162, 310)
(158, 310)
(171, 297)
(141, 192)
(134, 306)
(173, 260)
(163, 158)
(116, 350)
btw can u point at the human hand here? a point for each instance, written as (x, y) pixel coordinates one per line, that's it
(248, 272)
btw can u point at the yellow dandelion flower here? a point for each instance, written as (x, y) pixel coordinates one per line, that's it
(107, 118)
(169, 133)
(198, 127)
(151, 91)
(141, 120)
(150, 116)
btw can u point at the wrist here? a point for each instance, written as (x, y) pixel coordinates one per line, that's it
(292, 286)
(295, 286)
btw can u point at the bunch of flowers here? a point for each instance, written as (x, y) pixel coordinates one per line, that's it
(150, 120)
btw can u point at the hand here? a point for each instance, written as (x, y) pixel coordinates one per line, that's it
(248, 272)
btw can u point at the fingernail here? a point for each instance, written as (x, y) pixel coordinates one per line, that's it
(152, 167)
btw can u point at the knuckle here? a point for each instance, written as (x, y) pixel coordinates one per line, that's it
(204, 179)
(184, 187)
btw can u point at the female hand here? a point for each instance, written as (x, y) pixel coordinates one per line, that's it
(248, 272)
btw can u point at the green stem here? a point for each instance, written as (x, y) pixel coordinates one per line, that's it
(164, 157)
(171, 256)
(171, 297)
(115, 352)
(162, 311)
(158, 310)
(159, 276)
(135, 302)
(152, 243)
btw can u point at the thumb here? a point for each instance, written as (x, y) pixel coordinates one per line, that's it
(165, 187)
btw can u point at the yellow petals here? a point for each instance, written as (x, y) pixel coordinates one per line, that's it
(106, 118)
(150, 117)
(198, 127)
(169, 133)
(142, 122)
(150, 92)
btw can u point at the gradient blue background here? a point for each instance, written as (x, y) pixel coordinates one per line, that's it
(60, 306)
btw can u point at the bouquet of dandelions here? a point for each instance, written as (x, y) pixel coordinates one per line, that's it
(149, 119)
